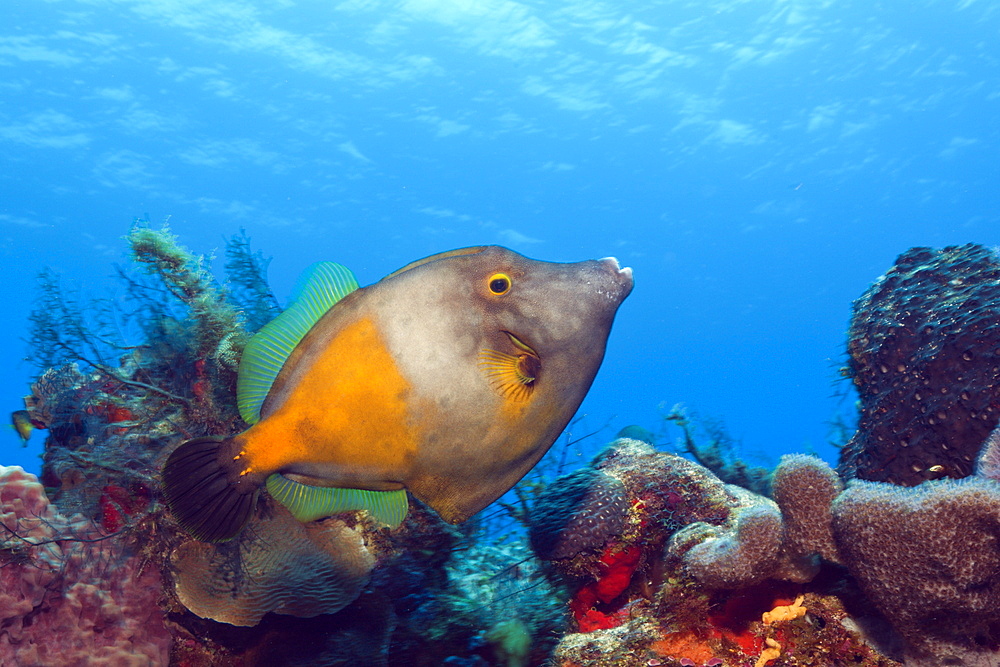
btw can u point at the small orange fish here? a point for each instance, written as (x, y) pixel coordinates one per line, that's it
(449, 378)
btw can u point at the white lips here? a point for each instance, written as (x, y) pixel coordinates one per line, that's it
(627, 271)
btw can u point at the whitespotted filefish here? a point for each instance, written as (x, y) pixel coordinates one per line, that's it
(449, 379)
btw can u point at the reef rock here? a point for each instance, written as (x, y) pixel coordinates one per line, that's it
(690, 579)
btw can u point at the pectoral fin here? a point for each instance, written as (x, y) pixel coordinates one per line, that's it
(513, 375)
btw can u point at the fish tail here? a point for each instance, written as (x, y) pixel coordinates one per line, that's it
(206, 492)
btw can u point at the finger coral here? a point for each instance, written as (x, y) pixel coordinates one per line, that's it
(804, 488)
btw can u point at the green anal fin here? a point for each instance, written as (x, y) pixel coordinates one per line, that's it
(320, 287)
(308, 503)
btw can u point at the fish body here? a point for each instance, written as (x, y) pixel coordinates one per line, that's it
(22, 423)
(450, 378)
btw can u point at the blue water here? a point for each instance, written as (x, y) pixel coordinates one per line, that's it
(758, 163)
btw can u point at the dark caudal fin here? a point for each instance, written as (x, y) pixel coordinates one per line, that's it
(201, 494)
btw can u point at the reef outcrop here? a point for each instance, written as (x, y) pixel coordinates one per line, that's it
(924, 345)
(703, 572)
(924, 558)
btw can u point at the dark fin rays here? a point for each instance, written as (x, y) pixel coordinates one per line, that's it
(200, 495)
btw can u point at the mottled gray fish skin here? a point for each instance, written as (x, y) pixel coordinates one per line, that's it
(437, 324)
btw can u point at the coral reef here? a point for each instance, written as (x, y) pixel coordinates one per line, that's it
(661, 590)
(924, 347)
(248, 289)
(637, 487)
(640, 557)
(694, 576)
(598, 522)
(334, 592)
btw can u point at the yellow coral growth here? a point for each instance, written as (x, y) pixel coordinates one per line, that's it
(785, 612)
(772, 651)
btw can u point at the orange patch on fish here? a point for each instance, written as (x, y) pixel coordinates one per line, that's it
(354, 394)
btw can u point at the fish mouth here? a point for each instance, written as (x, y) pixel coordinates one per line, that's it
(625, 273)
(613, 263)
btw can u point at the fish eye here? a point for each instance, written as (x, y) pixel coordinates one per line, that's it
(499, 283)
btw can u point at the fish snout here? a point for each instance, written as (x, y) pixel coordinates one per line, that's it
(621, 276)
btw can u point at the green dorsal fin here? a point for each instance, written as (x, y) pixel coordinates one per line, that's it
(321, 286)
(308, 503)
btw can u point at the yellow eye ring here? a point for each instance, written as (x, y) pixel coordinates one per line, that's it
(499, 283)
